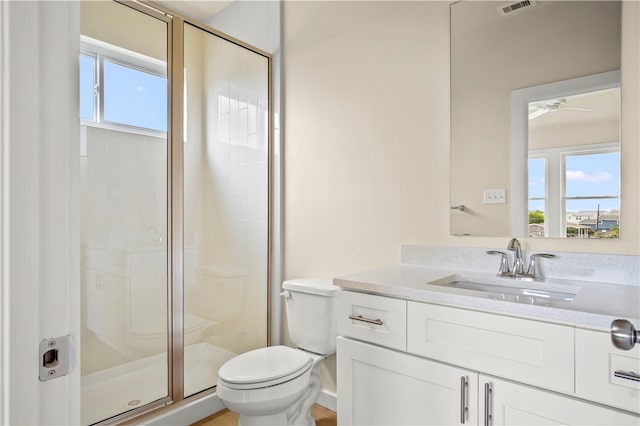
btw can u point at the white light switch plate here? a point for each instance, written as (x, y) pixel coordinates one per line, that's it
(495, 196)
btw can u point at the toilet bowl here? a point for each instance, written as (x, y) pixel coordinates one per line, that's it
(278, 385)
(262, 385)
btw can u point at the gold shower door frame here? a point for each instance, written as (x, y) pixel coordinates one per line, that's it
(175, 196)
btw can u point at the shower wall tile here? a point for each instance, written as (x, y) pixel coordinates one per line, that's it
(126, 188)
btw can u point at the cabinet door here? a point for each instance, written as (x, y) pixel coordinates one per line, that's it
(513, 404)
(604, 373)
(378, 386)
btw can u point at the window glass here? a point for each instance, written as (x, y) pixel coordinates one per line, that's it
(87, 84)
(537, 185)
(593, 176)
(134, 97)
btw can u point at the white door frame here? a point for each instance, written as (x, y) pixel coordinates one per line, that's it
(39, 214)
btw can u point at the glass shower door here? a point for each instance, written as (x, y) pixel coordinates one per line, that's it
(226, 186)
(123, 162)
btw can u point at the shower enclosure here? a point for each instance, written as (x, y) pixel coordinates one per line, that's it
(175, 165)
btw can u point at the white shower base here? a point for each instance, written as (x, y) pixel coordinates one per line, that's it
(112, 391)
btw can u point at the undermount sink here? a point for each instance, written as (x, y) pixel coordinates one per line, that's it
(537, 293)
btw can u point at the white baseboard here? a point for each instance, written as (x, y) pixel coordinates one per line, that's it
(327, 399)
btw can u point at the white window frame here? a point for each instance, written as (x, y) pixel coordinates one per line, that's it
(555, 215)
(520, 99)
(102, 51)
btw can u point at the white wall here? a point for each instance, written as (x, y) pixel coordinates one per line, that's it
(367, 137)
(366, 132)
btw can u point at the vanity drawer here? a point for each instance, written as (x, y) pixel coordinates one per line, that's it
(531, 352)
(375, 319)
(597, 361)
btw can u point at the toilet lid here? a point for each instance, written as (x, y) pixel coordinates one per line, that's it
(265, 365)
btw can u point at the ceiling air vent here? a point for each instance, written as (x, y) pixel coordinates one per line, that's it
(515, 7)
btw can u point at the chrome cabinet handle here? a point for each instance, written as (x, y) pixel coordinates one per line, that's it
(463, 399)
(624, 335)
(628, 375)
(487, 404)
(367, 320)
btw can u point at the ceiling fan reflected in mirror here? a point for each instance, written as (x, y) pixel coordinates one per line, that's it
(579, 103)
(536, 109)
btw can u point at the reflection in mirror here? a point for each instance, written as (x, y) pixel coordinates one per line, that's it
(493, 54)
(571, 131)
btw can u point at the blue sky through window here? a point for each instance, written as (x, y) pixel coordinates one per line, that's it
(593, 174)
(537, 187)
(131, 96)
(134, 97)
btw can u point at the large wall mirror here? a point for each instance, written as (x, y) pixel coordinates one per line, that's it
(535, 118)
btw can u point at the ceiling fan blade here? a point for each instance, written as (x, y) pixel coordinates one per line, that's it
(574, 108)
(537, 113)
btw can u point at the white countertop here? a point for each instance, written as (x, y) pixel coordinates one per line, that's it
(595, 305)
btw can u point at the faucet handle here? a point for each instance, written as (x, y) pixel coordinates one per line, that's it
(504, 261)
(532, 262)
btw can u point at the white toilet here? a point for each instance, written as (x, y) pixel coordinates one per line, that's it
(278, 385)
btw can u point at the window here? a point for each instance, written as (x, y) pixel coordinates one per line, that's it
(122, 88)
(537, 184)
(587, 203)
(592, 181)
(87, 87)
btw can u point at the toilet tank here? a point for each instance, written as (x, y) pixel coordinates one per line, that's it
(311, 314)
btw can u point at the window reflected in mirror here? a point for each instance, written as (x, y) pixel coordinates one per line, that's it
(574, 165)
(506, 75)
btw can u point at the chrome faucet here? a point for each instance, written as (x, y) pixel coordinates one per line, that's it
(518, 263)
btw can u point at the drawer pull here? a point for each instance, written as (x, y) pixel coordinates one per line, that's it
(463, 399)
(629, 375)
(487, 404)
(367, 320)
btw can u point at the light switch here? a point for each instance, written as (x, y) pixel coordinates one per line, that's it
(495, 196)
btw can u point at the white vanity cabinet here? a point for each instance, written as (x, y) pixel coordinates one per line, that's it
(379, 386)
(459, 366)
(509, 403)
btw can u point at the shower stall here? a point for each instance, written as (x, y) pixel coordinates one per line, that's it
(175, 160)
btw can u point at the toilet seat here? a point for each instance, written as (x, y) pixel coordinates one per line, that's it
(264, 367)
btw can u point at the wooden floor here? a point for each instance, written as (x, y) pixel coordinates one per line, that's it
(323, 417)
